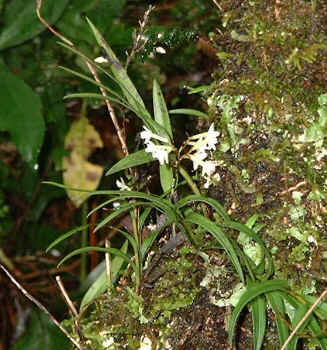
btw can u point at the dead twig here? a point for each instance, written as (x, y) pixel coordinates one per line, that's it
(41, 307)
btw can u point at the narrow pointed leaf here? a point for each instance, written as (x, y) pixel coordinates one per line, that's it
(259, 317)
(161, 116)
(132, 160)
(276, 302)
(66, 235)
(160, 111)
(117, 212)
(210, 201)
(256, 289)
(189, 111)
(97, 249)
(318, 332)
(216, 231)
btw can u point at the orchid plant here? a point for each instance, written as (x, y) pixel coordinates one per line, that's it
(183, 215)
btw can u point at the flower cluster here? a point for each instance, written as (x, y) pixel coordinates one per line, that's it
(200, 145)
(158, 151)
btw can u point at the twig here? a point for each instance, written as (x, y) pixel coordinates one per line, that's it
(95, 76)
(307, 314)
(41, 307)
(108, 266)
(136, 46)
(218, 5)
(66, 296)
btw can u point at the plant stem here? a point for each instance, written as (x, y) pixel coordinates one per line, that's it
(83, 271)
(189, 180)
(138, 239)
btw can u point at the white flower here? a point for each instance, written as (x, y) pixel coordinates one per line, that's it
(101, 59)
(116, 205)
(208, 167)
(197, 158)
(121, 185)
(158, 152)
(160, 50)
(146, 344)
(108, 342)
(212, 137)
(146, 135)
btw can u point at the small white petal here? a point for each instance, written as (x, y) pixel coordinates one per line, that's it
(208, 168)
(121, 185)
(160, 50)
(212, 137)
(101, 59)
(116, 205)
(197, 158)
(146, 344)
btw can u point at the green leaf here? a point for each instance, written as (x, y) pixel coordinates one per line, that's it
(162, 117)
(20, 115)
(189, 111)
(320, 310)
(276, 302)
(119, 211)
(132, 160)
(66, 235)
(210, 201)
(100, 285)
(20, 22)
(252, 234)
(259, 317)
(41, 334)
(318, 332)
(223, 240)
(253, 291)
(124, 81)
(97, 249)
(161, 204)
(160, 111)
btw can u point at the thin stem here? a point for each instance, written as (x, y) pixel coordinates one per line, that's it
(138, 239)
(95, 76)
(41, 307)
(83, 269)
(189, 180)
(108, 266)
